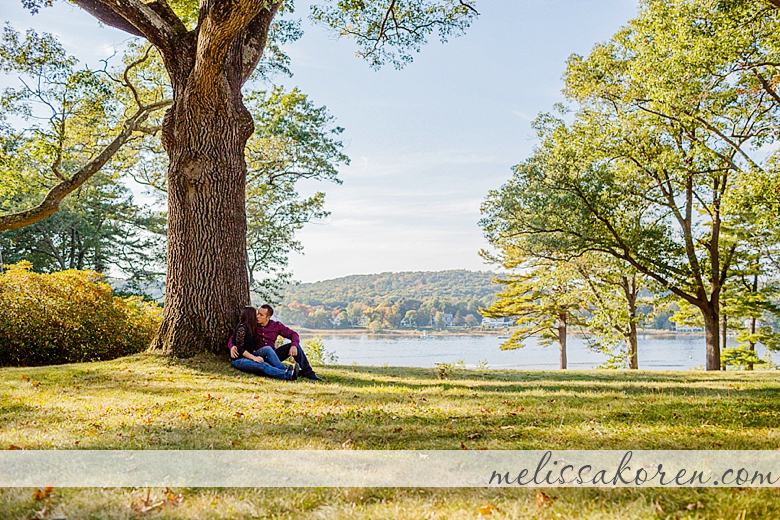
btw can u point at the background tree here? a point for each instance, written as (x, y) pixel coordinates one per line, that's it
(670, 113)
(610, 292)
(100, 228)
(69, 112)
(544, 301)
(78, 120)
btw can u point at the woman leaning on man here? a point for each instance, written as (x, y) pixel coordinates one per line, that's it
(255, 358)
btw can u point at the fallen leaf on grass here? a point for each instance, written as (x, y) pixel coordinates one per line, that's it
(145, 509)
(348, 444)
(14, 447)
(697, 505)
(487, 509)
(543, 500)
(34, 383)
(473, 436)
(463, 446)
(41, 495)
(25, 378)
(239, 414)
(657, 505)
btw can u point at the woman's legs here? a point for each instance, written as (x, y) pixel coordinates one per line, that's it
(270, 357)
(263, 369)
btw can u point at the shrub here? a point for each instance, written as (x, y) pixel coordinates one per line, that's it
(69, 316)
(316, 353)
(741, 357)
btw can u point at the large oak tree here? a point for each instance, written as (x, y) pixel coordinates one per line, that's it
(206, 129)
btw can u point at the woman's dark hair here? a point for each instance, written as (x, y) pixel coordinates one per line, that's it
(269, 309)
(249, 320)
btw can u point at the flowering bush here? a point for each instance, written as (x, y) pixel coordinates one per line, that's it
(67, 317)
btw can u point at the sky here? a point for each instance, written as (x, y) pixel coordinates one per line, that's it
(428, 142)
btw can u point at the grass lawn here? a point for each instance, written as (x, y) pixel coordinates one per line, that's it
(150, 402)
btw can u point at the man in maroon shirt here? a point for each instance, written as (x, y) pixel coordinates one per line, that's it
(268, 331)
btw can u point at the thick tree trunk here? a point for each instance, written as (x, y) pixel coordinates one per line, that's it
(562, 338)
(207, 281)
(711, 334)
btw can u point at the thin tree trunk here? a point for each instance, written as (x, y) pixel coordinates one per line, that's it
(562, 338)
(753, 323)
(72, 256)
(752, 344)
(633, 362)
(631, 293)
(724, 332)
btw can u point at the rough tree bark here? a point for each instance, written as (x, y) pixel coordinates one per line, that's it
(204, 134)
(712, 337)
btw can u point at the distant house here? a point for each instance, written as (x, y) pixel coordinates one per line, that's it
(687, 328)
(407, 323)
(362, 321)
(496, 322)
(448, 319)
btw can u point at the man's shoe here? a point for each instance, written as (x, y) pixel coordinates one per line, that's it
(312, 376)
(296, 370)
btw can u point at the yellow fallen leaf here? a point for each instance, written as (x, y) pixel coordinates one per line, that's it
(487, 509)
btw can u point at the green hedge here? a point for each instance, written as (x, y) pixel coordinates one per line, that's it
(69, 316)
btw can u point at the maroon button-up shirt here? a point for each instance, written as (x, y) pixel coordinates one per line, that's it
(266, 336)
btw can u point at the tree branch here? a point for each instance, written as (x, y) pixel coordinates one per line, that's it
(219, 24)
(256, 39)
(51, 201)
(153, 20)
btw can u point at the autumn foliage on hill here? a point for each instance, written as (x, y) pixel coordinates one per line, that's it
(68, 316)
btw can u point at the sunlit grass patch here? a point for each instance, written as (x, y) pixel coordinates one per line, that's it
(151, 402)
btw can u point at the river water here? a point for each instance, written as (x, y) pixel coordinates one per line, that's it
(673, 352)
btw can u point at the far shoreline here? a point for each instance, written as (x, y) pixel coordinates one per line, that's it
(473, 332)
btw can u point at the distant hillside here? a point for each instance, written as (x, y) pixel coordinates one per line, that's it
(457, 285)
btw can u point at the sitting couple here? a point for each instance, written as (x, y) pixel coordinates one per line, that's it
(252, 347)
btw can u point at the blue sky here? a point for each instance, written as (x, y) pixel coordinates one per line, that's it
(427, 142)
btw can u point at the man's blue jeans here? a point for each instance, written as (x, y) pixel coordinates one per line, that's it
(270, 367)
(283, 352)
